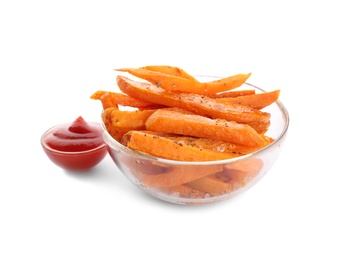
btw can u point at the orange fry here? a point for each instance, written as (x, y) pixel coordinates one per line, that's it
(211, 144)
(232, 94)
(178, 175)
(199, 104)
(170, 70)
(177, 148)
(184, 191)
(170, 121)
(175, 83)
(257, 101)
(211, 185)
(116, 132)
(166, 113)
(130, 119)
(118, 123)
(242, 172)
(113, 99)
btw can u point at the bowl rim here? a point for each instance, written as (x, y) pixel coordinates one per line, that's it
(111, 142)
(59, 152)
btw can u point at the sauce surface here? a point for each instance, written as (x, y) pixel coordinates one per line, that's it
(77, 136)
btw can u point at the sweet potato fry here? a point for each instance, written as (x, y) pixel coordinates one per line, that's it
(260, 127)
(232, 94)
(257, 101)
(178, 148)
(170, 121)
(199, 104)
(114, 99)
(184, 191)
(142, 166)
(251, 165)
(180, 84)
(170, 70)
(178, 175)
(116, 132)
(98, 94)
(242, 172)
(211, 184)
(173, 115)
(212, 144)
(134, 120)
(118, 123)
(197, 142)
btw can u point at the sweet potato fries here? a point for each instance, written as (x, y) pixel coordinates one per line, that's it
(169, 114)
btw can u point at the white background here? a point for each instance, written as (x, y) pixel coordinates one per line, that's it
(55, 54)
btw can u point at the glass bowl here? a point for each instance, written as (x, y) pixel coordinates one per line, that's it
(74, 160)
(238, 174)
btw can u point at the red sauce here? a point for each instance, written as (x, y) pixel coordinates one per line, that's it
(75, 137)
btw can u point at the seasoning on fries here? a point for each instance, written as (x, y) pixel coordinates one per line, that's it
(167, 113)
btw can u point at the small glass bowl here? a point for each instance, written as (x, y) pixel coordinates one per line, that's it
(240, 173)
(74, 161)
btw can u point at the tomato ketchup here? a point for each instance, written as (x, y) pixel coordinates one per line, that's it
(77, 145)
(75, 137)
